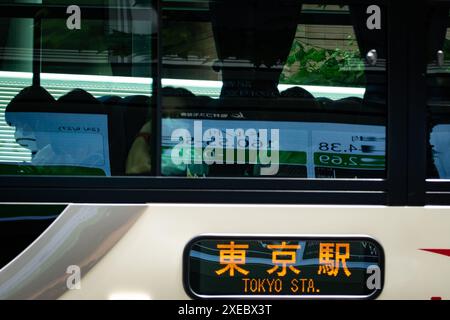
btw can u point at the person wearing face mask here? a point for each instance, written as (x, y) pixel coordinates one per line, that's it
(50, 154)
(30, 99)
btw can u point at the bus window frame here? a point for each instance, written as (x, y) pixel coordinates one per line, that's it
(143, 189)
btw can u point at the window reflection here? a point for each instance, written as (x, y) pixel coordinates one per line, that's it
(74, 100)
(286, 92)
(250, 89)
(61, 138)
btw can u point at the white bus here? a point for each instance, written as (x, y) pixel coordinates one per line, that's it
(224, 149)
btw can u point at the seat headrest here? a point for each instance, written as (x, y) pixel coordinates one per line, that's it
(176, 92)
(297, 92)
(79, 101)
(137, 101)
(110, 100)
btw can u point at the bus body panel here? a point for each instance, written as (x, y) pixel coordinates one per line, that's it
(146, 261)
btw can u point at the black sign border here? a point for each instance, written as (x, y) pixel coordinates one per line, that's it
(265, 237)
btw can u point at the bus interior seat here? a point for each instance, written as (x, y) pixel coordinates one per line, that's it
(79, 101)
(300, 98)
(324, 102)
(297, 92)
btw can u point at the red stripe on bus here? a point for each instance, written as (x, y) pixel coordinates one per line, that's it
(445, 252)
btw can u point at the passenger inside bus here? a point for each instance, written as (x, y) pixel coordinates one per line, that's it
(252, 41)
(66, 137)
(25, 135)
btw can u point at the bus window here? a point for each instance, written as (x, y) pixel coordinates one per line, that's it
(438, 89)
(76, 82)
(273, 89)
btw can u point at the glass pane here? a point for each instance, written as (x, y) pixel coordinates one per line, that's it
(274, 89)
(75, 86)
(438, 82)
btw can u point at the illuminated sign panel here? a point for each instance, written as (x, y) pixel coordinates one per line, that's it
(291, 267)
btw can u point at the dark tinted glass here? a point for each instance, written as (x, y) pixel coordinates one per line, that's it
(75, 82)
(273, 88)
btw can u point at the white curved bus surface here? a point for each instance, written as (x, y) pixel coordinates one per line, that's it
(136, 251)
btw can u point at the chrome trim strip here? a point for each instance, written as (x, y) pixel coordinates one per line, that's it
(80, 236)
